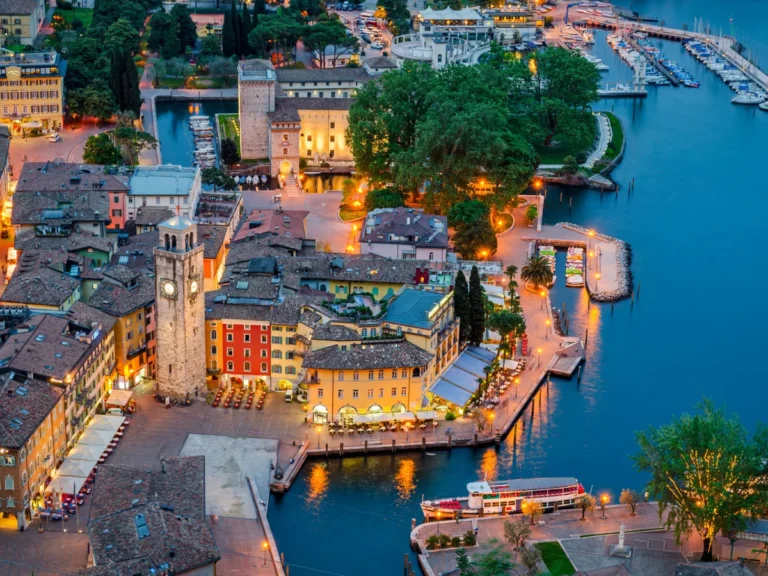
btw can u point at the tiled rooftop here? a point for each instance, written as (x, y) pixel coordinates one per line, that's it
(405, 226)
(41, 176)
(258, 223)
(368, 356)
(412, 307)
(25, 404)
(40, 286)
(335, 332)
(123, 290)
(56, 207)
(74, 242)
(165, 180)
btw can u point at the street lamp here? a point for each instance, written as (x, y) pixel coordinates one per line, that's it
(546, 332)
(597, 282)
(317, 429)
(542, 294)
(539, 351)
(264, 547)
(517, 382)
(591, 235)
(438, 522)
(603, 501)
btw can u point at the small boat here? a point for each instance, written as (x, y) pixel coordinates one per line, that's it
(506, 497)
(764, 106)
(749, 98)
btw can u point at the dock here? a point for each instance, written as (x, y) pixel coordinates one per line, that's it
(655, 63)
(622, 93)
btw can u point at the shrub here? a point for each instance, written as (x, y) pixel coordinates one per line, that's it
(469, 538)
(450, 416)
(455, 541)
(581, 157)
(64, 5)
(445, 540)
(432, 542)
(532, 212)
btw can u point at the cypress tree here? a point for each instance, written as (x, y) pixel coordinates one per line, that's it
(228, 40)
(476, 308)
(461, 305)
(259, 7)
(236, 26)
(245, 29)
(131, 89)
(115, 77)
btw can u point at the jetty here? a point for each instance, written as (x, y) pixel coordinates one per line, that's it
(655, 63)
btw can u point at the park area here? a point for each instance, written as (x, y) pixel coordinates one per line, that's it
(70, 16)
(229, 128)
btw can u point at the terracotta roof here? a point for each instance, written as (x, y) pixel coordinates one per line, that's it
(74, 242)
(42, 176)
(258, 223)
(336, 332)
(123, 291)
(368, 356)
(322, 75)
(138, 253)
(285, 313)
(18, 7)
(213, 239)
(42, 286)
(405, 226)
(25, 404)
(151, 519)
(380, 62)
(55, 207)
(152, 216)
(287, 109)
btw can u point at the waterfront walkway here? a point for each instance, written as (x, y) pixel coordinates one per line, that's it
(604, 136)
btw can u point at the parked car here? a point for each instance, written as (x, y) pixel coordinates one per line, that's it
(365, 37)
(54, 137)
(289, 395)
(377, 46)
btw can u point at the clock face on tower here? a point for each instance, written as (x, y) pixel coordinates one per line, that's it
(168, 288)
(194, 287)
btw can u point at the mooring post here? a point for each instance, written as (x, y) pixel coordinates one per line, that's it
(561, 197)
(393, 446)
(326, 450)
(475, 440)
(365, 448)
(449, 441)
(578, 377)
(586, 338)
(423, 444)
(341, 449)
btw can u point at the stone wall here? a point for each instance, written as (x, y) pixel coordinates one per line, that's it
(256, 98)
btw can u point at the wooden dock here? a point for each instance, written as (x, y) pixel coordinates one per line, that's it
(613, 93)
(656, 64)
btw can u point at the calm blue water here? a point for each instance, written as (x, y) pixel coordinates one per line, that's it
(176, 141)
(698, 209)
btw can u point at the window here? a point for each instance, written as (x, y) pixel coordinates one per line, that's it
(399, 331)
(403, 391)
(333, 94)
(230, 351)
(263, 338)
(333, 124)
(431, 256)
(356, 375)
(394, 391)
(157, 200)
(341, 394)
(355, 393)
(333, 138)
(23, 479)
(365, 333)
(370, 392)
(247, 352)
(246, 337)
(9, 482)
(230, 366)
(381, 392)
(230, 337)
(341, 376)
(309, 152)
(247, 327)
(285, 137)
(404, 373)
(277, 354)
(290, 369)
(213, 334)
(263, 353)
(277, 339)
(309, 138)
(394, 374)
(381, 374)
(370, 374)
(285, 151)
(263, 366)
(289, 355)
(214, 349)
(319, 392)
(246, 366)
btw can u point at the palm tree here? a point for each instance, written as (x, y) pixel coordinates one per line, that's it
(537, 272)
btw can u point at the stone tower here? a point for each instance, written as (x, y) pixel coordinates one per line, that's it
(180, 304)
(257, 83)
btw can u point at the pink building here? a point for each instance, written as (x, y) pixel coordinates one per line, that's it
(405, 234)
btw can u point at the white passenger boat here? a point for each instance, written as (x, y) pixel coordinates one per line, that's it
(505, 497)
(749, 98)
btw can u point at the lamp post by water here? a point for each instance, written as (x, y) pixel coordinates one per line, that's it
(438, 522)
(517, 382)
(546, 331)
(597, 282)
(591, 235)
(539, 352)
(264, 546)
(603, 501)
(317, 429)
(542, 294)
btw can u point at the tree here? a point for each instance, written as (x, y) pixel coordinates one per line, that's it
(533, 510)
(463, 563)
(476, 308)
(172, 43)
(474, 235)
(245, 28)
(134, 141)
(587, 503)
(228, 39)
(122, 36)
(629, 498)
(187, 29)
(494, 561)
(100, 150)
(96, 100)
(329, 33)
(210, 45)
(237, 31)
(87, 62)
(160, 25)
(537, 272)
(259, 7)
(275, 33)
(505, 323)
(229, 153)
(706, 472)
(383, 198)
(348, 190)
(124, 81)
(223, 68)
(397, 15)
(461, 306)
(530, 558)
(217, 178)
(517, 533)
(532, 213)
(570, 165)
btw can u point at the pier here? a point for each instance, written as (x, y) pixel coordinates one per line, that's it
(655, 63)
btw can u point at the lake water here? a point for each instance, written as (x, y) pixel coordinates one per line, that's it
(698, 211)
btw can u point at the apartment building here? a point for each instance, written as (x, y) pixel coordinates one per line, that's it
(21, 20)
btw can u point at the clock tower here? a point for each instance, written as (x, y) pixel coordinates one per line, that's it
(180, 305)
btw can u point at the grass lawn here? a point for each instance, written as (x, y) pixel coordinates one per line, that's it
(554, 557)
(85, 15)
(618, 137)
(230, 128)
(502, 222)
(348, 213)
(167, 82)
(556, 153)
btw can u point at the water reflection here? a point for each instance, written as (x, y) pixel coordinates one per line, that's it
(318, 485)
(404, 479)
(489, 465)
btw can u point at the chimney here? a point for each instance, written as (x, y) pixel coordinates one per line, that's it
(162, 465)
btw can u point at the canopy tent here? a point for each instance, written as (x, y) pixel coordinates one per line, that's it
(483, 354)
(85, 453)
(119, 398)
(99, 438)
(451, 393)
(510, 364)
(75, 468)
(66, 485)
(428, 415)
(494, 293)
(32, 124)
(106, 423)
(404, 416)
(460, 381)
(470, 365)
(371, 418)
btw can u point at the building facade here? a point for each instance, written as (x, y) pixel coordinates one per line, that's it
(405, 234)
(21, 20)
(180, 306)
(167, 186)
(32, 91)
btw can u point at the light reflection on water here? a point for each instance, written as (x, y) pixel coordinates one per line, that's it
(405, 482)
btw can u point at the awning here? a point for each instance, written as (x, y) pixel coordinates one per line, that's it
(75, 468)
(482, 353)
(471, 365)
(32, 124)
(404, 416)
(496, 300)
(106, 423)
(99, 438)
(85, 453)
(511, 364)
(450, 393)
(371, 418)
(119, 398)
(66, 485)
(429, 415)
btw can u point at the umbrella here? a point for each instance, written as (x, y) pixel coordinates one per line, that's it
(248, 180)
(237, 179)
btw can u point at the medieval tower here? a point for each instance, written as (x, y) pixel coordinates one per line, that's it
(180, 303)
(257, 83)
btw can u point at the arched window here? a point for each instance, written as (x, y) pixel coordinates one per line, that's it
(214, 365)
(247, 367)
(365, 332)
(439, 58)
(186, 241)
(9, 482)
(167, 242)
(417, 371)
(375, 409)
(213, 334)
(374, 333)
(173, 243)
(230, 366)
(214, 350)
(263, 366)
(191, 239)
(399, 331)
(398, 408)
(320, 414)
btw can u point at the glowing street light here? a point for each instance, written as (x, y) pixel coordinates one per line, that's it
(438, 521)
(597, 282)
(539, 352)
(264, 546)
(546, 331)
(317, 429)
(603, 501)
(542, 294)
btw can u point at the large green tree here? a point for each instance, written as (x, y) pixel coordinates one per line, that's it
(100, 150)
(187, 28)
(537, 272)
(461, 305)
(474, 236)
(276, 33)
(87, 62)
(707, 473)
(476, 308)
(95, 100)
(160, 25)
(134, 141)
(383, 198)
(228, 38)
(397, 14)
(329, 38)
(210, 45)
(124, 81)
(507, 324)
(122, 36)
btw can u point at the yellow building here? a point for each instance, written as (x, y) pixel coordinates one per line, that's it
(20, 20)
(365, 377)
(31, 91)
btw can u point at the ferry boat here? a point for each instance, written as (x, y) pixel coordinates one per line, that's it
(505, 497)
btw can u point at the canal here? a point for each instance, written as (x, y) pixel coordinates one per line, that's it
(697, 216)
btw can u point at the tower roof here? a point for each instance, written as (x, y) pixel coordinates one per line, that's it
(177, 223)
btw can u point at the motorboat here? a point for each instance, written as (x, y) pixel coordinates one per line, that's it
(764, 106)
(749, 98)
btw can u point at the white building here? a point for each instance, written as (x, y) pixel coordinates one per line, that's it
(445, 37)
(174, 187)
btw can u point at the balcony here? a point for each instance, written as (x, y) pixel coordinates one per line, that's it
(311, 379)
(133, 352)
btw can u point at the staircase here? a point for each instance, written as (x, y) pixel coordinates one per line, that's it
(292, 186)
